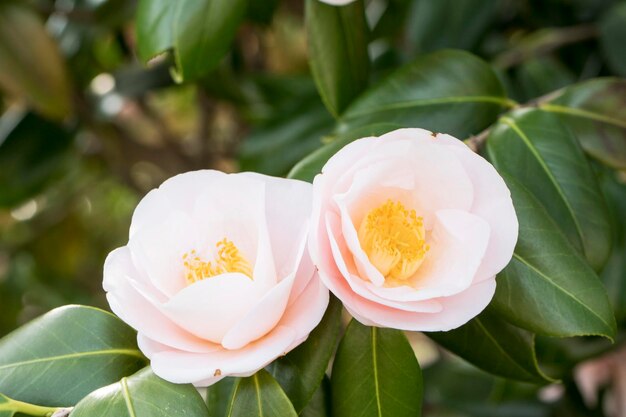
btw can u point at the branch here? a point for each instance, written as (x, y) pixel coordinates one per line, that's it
(543, 42)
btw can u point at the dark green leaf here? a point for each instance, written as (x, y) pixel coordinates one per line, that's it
(614, 273)
(154, 27)
(310, 166)
(612, 35)
(301, 371)
(33, 152)
(542, 75)
(36, 71)
(448, 91)
(199, 31)
(62, 356)
(143, 395)
(274, 148)
(376, 374)
(319, 406)
(203, 32)
(542, 154)
(595, 111)
(337, 39)
(495, 346)
(219, 396)
(260, 396)
(438, 24)
(548, 288)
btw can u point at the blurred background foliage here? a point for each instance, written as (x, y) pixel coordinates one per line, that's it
(86, 130)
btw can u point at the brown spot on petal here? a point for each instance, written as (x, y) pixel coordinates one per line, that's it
(218, 372)
(434, 134)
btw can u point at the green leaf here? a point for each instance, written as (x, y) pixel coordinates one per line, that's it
(199, 31)
(203, 33)
(447, 91)
(612, 35)
(274, 148)
(541, 153)
(219, 395)
(495, 346)
(62, 356)
(36, 71)
(301, 371)
(311, 165)
(6, 407)
(542, 75)
(376, 374)
(438, 24)
(319, 406)
(337, 38)
(614, 273)
(142, 395)
(595, 111)
(548, 288)
(260, 396)
(33, 153)
(154, 27)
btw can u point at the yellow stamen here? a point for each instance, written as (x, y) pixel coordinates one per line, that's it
(228, 259)
(394, 240)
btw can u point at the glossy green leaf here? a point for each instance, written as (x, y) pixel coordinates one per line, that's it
(319, 406)
(376, 374)
(260, 396)
(142, 395)
(438, 24)
(59, 358)
(548, 288)
(539, 76)
(311, 165)
(447, 91)
(33, 153)
(612, 35)
(538, 150)
(203, 33)
(199, 31)
(495, 346)
(614, 273)
(219, 395)
(338, 37)
(36, 72)
(300, 372)
(595, 112)
(274, 148)
(154, 27)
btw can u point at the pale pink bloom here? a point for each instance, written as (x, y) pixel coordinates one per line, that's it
(215, 276)
(409, 230)
(606, 372)
(337, 2)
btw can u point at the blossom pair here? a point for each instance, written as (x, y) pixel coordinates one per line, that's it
(223, 273)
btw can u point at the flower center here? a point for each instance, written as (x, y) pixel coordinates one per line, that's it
(228, 259)
(394, 240)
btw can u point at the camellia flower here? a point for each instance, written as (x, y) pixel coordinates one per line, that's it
(409, 230)
(216, 277)
(337, 2)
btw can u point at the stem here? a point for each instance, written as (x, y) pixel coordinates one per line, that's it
(26, 408)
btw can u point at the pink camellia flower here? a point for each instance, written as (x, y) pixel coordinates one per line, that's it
(409, 230)
(215, 276)
(337, 2)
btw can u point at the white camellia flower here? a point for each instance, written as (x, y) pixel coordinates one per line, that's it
(216, 277)
(410, 229)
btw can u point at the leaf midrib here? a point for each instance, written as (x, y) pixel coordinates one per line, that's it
(569, 294)
(430, 101)
(128, 352)
(526, 140)
(586, 114)
(375, 367)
